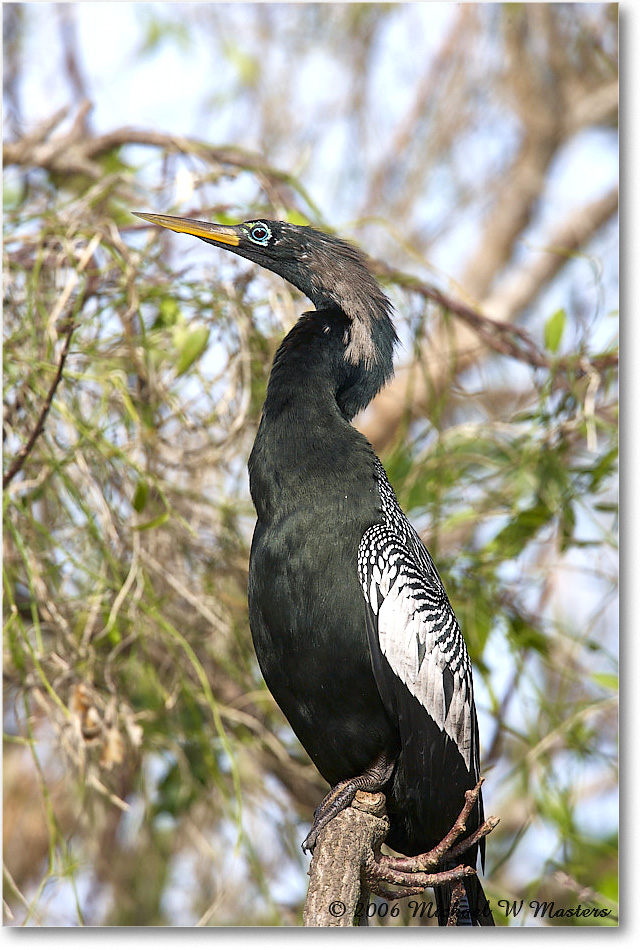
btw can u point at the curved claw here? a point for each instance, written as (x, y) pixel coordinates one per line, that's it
(339, 797)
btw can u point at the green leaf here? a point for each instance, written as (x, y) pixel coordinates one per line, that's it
(513, 538)
(246, 65)
(192, 346)
(154, 523)
(140, 495)
(567, 525)
(553, 330)
(168, 315)
(295, 217)
(525, 636)
(604, 466)
(609, 681)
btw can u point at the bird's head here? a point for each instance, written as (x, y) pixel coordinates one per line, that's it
(329, 271)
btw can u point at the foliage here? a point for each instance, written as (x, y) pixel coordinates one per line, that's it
(149, 777)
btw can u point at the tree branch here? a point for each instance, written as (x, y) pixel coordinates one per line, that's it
(347, 862)
(22, 455)
(24, 452)
(75, 152)
(453, 348)
(341, 853)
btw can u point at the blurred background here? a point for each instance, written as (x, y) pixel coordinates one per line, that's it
(472, 151)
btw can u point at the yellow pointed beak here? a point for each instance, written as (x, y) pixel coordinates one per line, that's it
(220, 233)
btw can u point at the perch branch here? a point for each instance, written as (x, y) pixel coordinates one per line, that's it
(347, 863)
(341, 852)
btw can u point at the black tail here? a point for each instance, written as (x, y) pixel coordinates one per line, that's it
(473, 909)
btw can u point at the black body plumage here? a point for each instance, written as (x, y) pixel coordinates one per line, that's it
(352, 627)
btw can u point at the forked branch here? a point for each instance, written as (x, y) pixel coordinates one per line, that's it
(347, 864)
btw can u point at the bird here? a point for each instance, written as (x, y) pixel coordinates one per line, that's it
(353, 630)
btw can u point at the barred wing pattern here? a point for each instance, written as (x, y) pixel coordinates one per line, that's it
(418, 633)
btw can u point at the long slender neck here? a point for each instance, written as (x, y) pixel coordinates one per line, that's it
(305, 444)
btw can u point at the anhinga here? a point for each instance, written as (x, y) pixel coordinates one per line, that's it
(352, 627)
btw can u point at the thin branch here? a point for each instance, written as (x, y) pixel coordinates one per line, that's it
(503, 337)
(74, 151)
(490, 324)
(24, 452)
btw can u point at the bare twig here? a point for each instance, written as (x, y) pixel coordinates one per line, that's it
(458, 893)
(503, 337)
(23, 454)
(74, 151)
(454, 348)
(71, 49)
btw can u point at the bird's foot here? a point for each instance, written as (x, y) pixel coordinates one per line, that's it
(339, 797)
(335, 801)
(414, 874)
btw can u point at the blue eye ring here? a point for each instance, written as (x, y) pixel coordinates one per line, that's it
(259, 233)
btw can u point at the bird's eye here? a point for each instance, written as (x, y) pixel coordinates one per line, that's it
(259, 233)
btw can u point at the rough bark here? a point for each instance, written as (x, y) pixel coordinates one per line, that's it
(341, 852)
